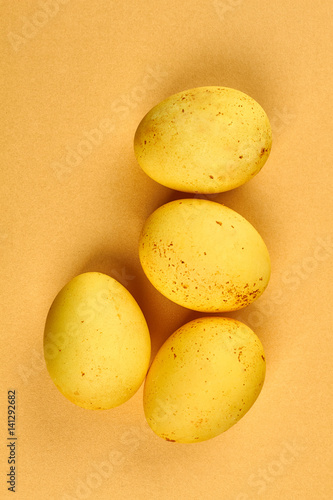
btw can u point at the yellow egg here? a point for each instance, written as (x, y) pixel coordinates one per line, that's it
(206, 140)
(204, 256)
(203, 380)
(96, 342)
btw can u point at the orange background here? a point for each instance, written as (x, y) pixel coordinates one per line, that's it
(78, 76)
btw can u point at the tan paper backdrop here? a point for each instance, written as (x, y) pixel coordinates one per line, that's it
(78, 76)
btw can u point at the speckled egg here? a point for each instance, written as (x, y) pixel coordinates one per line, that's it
(203, 380)
(96, 342)
(206, 140)
(204, 256)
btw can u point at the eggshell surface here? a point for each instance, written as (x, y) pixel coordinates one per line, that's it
(96, 342)
(204, 256)
(206, 140)
(203, 380)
